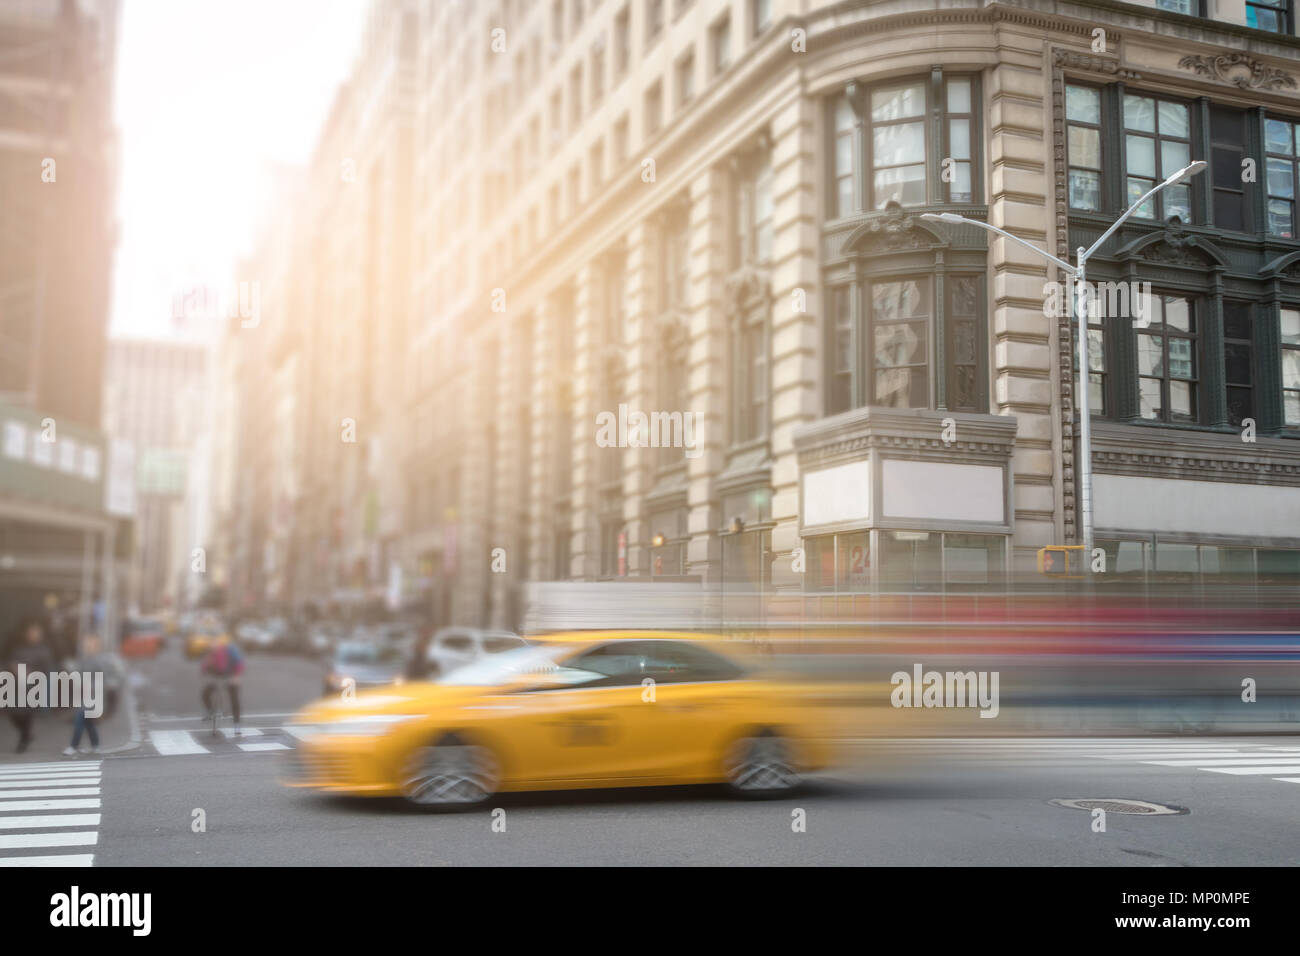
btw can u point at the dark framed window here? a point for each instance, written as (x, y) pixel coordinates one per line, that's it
(751, 374)
(882, 343)
(1083, 147)
(897, 144)
(1281, 171)
(883, 147)
(1239, 360)
(753, 210)
(1290, 342)
(1271, 15)
(847, 133)
(1157, 143)
(654, 20)
(1098, 378)
(843, 362)
(962, 343)
(959, 129)
(900, 314)
(675, 259)
(838, 562)
(1167, 353)
(1228, 142)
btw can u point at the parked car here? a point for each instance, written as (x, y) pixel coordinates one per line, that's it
(363, 664)
(454, 647)
(254, 636)
(323, 637)
(203, 636)
(142, 637)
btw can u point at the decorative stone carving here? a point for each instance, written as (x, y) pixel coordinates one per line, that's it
(1239, 69)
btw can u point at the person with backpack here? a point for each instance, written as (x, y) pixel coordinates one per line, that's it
(222, 665)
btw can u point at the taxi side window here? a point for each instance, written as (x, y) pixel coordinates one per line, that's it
(627, 663)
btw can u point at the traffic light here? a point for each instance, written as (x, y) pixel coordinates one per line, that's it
(1061, 561)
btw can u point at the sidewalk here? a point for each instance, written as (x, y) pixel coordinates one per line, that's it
(52, 731)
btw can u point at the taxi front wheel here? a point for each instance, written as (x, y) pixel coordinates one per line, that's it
(760, 765)
(451, 774)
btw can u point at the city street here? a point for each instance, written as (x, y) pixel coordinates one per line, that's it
(891, 802)
(965, 804)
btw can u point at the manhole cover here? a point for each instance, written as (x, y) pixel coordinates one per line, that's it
(1115, 805)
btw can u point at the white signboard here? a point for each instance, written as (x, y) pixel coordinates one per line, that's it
(119, 484)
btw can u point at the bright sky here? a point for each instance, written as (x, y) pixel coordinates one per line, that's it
(209, 94)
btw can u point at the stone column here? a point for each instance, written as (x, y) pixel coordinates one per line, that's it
(708, 368)
(1023, 353)
(795, 363)
(642, 364)
(585, 549)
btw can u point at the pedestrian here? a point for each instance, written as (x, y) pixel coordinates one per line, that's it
(222, 665)
(94, 660)
(32, 651)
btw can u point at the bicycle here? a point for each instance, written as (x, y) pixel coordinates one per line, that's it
(217, 684)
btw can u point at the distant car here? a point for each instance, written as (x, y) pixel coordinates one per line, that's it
(142, 637)
(203, 637)
(323, 637)
(454, 647)
(253, 636)
(364, 664)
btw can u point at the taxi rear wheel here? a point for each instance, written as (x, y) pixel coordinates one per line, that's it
(760, 765)
(452, 774)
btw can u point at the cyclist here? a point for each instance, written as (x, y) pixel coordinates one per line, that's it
(222, 665)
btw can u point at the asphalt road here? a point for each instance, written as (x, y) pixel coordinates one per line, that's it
(897, 803)
(960, 804)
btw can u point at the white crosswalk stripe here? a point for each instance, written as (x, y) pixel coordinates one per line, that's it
(1221, 755)
(169, 743)
(36, 804)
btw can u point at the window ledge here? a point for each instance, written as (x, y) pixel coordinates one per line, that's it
(1175, 452)
(918, 431)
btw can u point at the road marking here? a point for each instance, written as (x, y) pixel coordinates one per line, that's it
(57, 792)
(229, 732)
(299, 733)
(24, 841)
(50, 820)
(1238, 761)
(44, 781)
(13, 806)
(259, 747)
(1288, 779)
(41, 767)
(169, 742)
(70, 859)
(1256, 771)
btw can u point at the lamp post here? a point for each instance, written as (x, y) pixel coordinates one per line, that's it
(1078, 273)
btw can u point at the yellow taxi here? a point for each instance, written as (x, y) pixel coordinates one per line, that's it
(203, 638)
(572, 711)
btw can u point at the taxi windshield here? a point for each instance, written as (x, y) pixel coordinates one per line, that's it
(504, 667)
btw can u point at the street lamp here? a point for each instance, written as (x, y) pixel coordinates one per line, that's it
(1077, 272)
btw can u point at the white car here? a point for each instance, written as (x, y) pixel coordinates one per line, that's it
(454, 647)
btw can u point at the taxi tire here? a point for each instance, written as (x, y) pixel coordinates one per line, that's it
(450, 757)
(757, 766)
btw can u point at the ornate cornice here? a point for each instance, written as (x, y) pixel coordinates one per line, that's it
(1090, 63)
(916, 432)
(1239, 69)
(1148, 451)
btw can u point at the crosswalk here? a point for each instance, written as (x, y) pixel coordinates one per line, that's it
(170, 743)
(49, 813)
(1279, 761)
